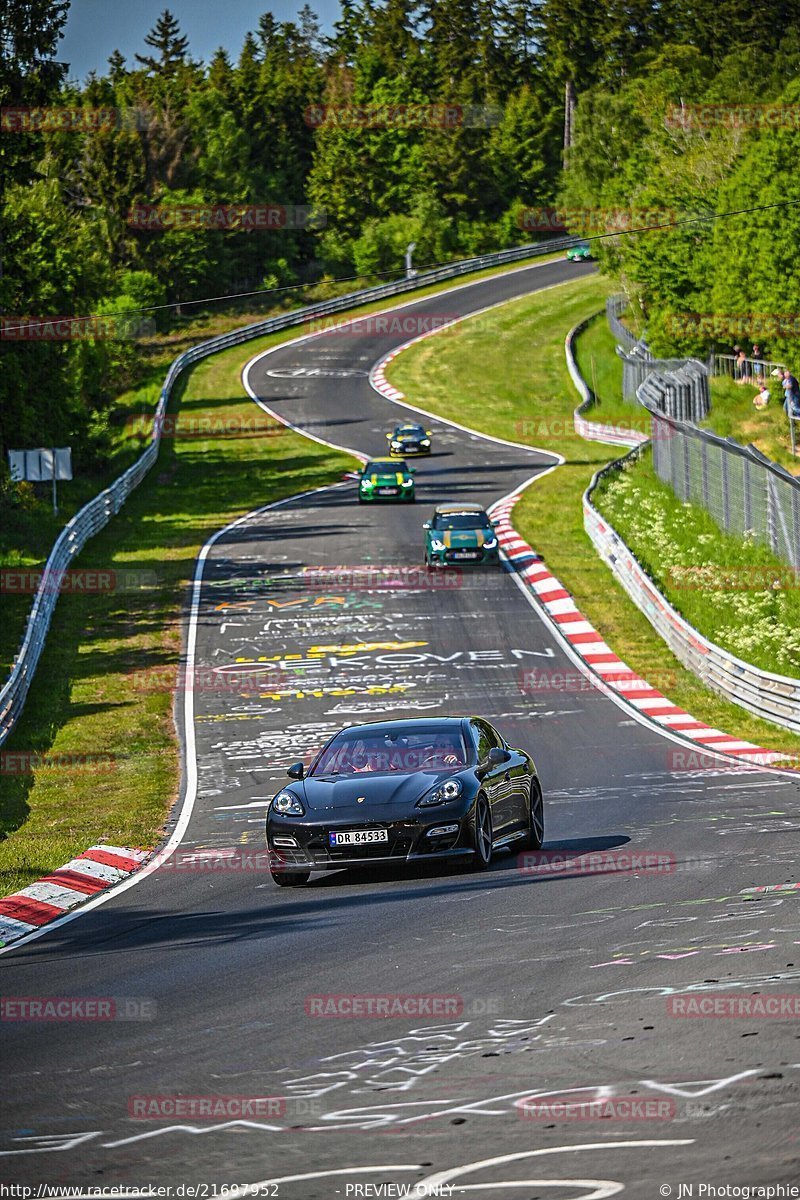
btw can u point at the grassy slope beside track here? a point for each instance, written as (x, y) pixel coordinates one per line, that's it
(92, 694)
(510, 379)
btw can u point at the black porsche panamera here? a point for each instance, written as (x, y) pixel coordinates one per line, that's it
(405, 791)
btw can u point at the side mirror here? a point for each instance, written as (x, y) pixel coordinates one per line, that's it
(296, 771)
(426, 525)
(498, 755)
(412, 470)
(495, 522)
(388, 437)
(429, 433)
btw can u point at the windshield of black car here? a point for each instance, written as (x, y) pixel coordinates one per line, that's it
(404, 752)
(409, 431)
(466, 520)
(384, 466)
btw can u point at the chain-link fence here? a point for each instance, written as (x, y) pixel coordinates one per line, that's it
(745, 492)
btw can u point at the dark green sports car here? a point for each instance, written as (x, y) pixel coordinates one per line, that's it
(459, 533)
(579, 253)
(409, 439)
(386, 479)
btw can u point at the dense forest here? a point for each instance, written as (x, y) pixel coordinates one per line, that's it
(442, 122)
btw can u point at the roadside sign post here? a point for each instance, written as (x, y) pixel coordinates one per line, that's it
(38, 466)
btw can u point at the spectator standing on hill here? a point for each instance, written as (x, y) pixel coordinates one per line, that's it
(740, 368)
(758, 361)
(791, 393)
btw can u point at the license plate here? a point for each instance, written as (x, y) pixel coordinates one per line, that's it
(358, 837)
(466, 554)
(387, 491)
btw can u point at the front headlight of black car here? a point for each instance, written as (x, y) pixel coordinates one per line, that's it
(449, 790)
(287, 804)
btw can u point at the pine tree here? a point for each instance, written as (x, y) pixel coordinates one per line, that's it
(165, 38)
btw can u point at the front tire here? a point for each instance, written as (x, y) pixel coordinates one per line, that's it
(481, 833)
(535, 837)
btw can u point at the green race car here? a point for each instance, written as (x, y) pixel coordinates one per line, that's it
(459, 533)
(580, 253)
(409, 439)
(386, 479)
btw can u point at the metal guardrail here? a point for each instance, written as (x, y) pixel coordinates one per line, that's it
(774, 697)
(748, 369)
(99, 511)
(594, 431)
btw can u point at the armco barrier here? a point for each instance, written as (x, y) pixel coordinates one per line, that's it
(99, 511)
(594, 431)
(774, 697)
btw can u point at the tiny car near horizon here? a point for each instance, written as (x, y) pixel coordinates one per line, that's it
(580, 253)
(407, 791)
(459, 533)
(409, 439)
(386, 479)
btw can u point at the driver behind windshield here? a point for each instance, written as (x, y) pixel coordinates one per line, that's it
(439, 752)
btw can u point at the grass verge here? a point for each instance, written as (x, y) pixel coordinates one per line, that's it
(531, 400)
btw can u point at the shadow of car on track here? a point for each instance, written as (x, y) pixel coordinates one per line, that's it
(114, 929)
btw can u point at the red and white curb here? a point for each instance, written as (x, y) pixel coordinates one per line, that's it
(92, 872)
(589, 646)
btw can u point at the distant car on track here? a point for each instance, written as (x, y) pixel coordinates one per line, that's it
(409, 439)
(386, 479)
(408, 791)
(580, 253)
(459, 533)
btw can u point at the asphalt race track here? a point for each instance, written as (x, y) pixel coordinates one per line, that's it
(563, 982)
